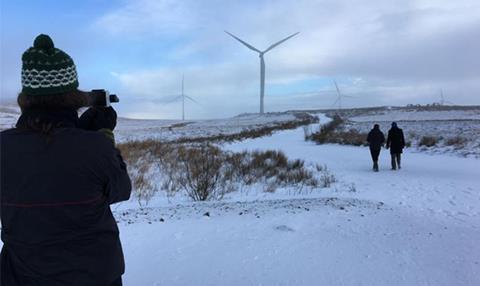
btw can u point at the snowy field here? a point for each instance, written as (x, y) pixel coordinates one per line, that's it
(168, 130)
(460, 127)
(416, 226)
(413, 115)
(8, 116)
(443, 130)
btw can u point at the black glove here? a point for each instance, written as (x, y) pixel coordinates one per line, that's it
(96, 118)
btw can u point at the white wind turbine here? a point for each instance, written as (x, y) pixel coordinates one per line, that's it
(442, 98)
(183, 96)
(262, 62)
(339, 97)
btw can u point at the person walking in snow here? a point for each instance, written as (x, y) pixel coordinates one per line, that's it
(58, 181)
(396, 143)
(375, 140)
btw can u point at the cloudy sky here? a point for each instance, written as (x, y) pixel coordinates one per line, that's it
(380, 52)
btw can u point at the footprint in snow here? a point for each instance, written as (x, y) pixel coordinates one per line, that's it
(284, 228)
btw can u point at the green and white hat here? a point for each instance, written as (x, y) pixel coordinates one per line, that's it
(47, 70)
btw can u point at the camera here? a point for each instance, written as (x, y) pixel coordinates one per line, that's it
(102, 98)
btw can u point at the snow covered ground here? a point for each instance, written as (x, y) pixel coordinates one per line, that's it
(464, 134)
(457, 132)
(8, 116)
(167, 130)
(416, 226)
(414, 115)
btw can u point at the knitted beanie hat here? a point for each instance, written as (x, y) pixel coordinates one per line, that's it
(47, 70)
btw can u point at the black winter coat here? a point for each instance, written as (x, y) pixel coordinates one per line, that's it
(375, 139)
(395, 140)
(57, 226)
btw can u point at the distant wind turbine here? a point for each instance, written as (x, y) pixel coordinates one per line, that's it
(442, 99)
(262, 62)
(183, 96)
(339, 97)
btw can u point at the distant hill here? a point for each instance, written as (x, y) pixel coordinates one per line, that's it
(8, 116)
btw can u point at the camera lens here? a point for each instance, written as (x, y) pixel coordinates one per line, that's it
(114, 98)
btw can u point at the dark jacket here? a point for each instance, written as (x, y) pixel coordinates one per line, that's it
(395, 140)
(375, 138)
(56, 191)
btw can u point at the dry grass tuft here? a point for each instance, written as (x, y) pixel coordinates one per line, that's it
(457, 141)
(332, 133)
(204, 171)
(428, 141)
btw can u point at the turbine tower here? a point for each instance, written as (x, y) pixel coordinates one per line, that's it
(183, 96)
(262, 62)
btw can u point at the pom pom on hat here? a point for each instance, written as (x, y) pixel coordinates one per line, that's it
(43, 42)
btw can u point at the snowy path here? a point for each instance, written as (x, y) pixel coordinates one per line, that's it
(438, 195)
(427, 232)
(439, 184)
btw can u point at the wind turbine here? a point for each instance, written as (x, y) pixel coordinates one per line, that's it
(262, 62)
(339, 97)
(183, 96)
(442, 99)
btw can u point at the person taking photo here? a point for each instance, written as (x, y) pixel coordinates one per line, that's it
(59, 176)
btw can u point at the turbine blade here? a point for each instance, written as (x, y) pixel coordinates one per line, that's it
(173, 99)
(245, 43)
(166, 99)
(188, 97)
(278, 43)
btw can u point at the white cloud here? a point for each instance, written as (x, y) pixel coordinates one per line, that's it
(402, 50)
(141, 18)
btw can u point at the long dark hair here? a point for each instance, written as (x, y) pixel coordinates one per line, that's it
(70, 100)
(54, 103)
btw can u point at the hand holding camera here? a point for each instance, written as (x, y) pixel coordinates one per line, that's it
(100, 114)
(101, 97)
(96, 118)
